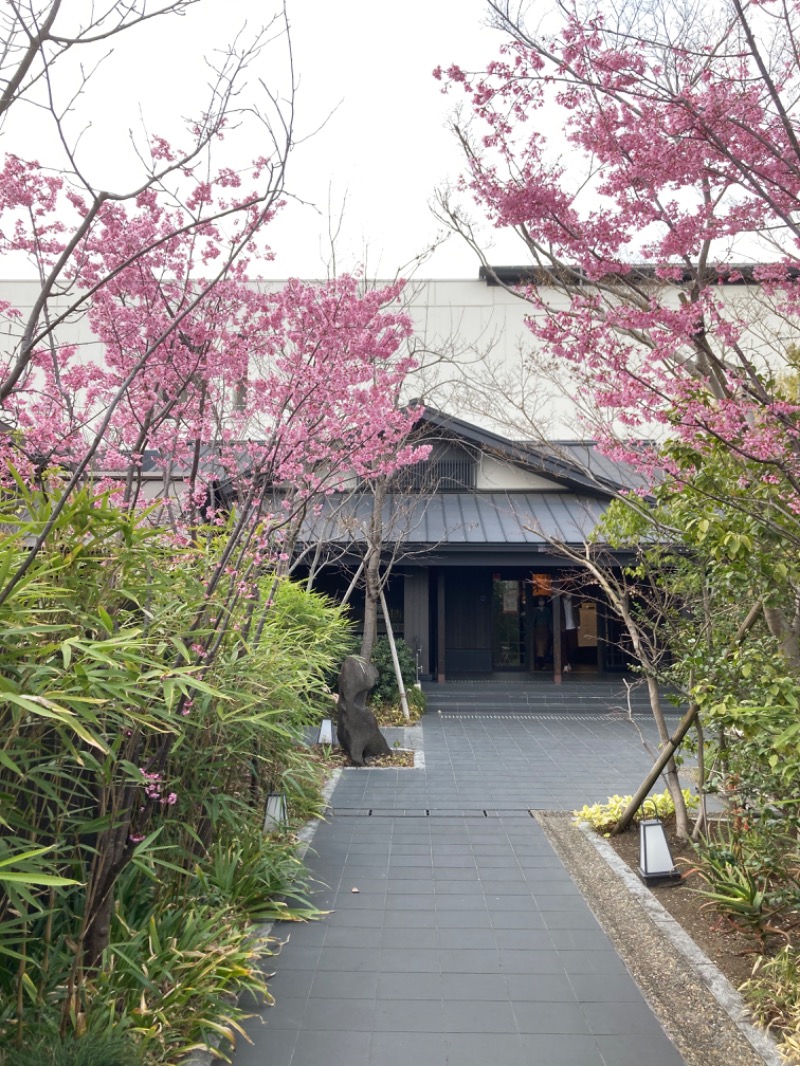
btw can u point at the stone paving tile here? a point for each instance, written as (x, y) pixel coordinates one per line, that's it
(408, 1049)
(269, 1045)
(604, 988)
(540, 988)
(351, 936)
(315, 1047)
(549, 1017)
(410, 1015)
(561, 1049)
(467, 942)
(635, 1050)
(411, 919)
(332, 1014)
(478, 1049)
(343, 984)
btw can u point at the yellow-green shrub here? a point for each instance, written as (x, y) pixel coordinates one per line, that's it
(602, 817)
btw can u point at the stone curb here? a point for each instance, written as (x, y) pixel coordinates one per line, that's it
(412, 741)
(718, 984)
(262, 931)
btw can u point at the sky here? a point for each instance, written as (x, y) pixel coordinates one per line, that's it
(386, 147)
(371, 121)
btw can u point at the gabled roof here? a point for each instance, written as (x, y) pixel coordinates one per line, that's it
(577, 466)
(512, 521)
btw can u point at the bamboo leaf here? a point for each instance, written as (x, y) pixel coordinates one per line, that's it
(25, 856)
(24, 878)
(47, 708)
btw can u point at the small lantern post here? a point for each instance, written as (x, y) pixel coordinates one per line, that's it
(655, 859)
(275, 814)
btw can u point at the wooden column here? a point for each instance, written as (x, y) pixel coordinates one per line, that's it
(557, 663)
(601, 636)
(416, 631)
(441, 633)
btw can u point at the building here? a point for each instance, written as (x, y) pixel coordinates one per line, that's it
(481, 545)
(475, 537)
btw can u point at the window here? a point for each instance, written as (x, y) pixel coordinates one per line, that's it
(449, 468)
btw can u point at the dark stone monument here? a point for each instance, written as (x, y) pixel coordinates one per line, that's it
(356, 726)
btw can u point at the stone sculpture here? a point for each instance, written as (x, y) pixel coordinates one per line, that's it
(356, 726)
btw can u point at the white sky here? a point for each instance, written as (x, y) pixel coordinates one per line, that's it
(365, 63)
(387, 146)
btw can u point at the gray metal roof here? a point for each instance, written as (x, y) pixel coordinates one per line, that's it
(586, 456)
(468, 519)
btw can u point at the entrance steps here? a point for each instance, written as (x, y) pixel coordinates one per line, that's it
(539, 696)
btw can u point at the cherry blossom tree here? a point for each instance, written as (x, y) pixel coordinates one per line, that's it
(647, 156)
(195, 364)
(660, 220)
(683, 164)
(207, 405)
(176, 212)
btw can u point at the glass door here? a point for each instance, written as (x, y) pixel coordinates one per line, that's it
(508, 624)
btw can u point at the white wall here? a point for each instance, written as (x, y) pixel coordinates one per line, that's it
(472, 343)
(496, 476)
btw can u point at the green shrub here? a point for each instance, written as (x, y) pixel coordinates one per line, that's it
(258, 876)
(117, 742)
(107, 1048)
(773, 995)
(386, 690)
(175, 976)
(742, 884)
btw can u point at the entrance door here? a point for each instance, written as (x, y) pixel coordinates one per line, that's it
(509, 644)
(467, 616)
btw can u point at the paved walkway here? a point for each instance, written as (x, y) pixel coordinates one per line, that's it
(467, 941)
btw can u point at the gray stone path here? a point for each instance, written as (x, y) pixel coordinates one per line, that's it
(467, 941)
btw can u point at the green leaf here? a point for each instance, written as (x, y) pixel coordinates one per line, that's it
(47, 708)
(24, 878)
(25, 856)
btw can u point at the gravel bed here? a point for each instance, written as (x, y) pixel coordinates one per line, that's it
(698, 1008)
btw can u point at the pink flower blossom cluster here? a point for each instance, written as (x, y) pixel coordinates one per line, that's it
(153, 789)
(675, 156)
(198, 379)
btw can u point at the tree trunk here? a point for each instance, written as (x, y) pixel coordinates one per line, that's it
(111, 858)
(701, 820)
(372, 571)
(787, 633)
(656, 770)
(401, 688)
(672, 742)
(670, 769)
(372, 579)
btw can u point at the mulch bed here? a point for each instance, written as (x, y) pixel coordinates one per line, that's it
(387, 715)
(336, 759)
(733, 950)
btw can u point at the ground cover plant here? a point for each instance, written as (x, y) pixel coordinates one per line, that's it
(603, 817)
